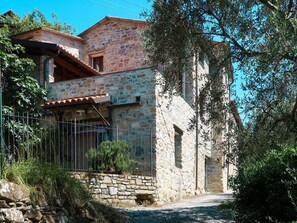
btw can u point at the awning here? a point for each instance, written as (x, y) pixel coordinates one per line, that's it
(83, 100)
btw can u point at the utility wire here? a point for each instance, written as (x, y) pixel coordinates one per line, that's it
(95, 2)
(118, 5)
(140, 6)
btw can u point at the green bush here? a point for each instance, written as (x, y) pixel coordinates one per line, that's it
(266, 190)
(112, 157)
(49, 181)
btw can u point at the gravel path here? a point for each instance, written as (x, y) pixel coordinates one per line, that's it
(203, 208)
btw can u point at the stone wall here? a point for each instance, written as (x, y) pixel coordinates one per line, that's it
(123, 87)
(174, 182)
(121, 44)
(120, 189)
(17, 207)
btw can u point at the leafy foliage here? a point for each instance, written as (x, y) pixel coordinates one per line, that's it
(48, 181)
(113, 156)
(262, 39)
(35, 19)
(20, 88)
(266, 190)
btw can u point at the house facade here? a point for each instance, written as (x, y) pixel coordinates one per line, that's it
(103, 75)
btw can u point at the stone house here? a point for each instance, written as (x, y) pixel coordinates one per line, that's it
(103, 75)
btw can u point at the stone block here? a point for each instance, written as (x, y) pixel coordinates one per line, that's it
(132, 182)
(113, 190)
(122, 187)
(105, 191)
(138, 182)
(103, 186)
(124, 193)
(12, 192)
(144, 192)
(107, 180)
(11, 215)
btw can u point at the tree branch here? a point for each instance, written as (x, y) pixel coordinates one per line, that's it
(269, 5)
(293, 112)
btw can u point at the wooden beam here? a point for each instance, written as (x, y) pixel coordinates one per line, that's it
(68, 66)
(64, 63)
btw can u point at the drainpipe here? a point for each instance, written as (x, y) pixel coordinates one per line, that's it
(197, 120)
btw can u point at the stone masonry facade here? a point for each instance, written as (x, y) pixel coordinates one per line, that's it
(177, 169)
(119, 41)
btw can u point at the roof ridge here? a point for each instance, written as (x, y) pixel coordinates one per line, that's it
(110, 18)
(50, 30)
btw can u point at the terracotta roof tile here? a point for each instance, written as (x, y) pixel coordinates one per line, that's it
(73, 100)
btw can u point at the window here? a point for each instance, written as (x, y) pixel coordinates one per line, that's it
(96, 60)
(178, 146)
(97, 63)
(202, 59)
(180, 85)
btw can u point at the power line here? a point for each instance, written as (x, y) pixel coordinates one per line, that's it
(95, 2)
(118, 5)
(140, 6)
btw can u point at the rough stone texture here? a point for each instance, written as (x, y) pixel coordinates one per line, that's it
(11, 215)
(73, 44)
(123, 87)
(13, 192)
(120, 41)
(118, 189)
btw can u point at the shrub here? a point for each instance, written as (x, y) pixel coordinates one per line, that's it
(50, 181)
(266, 190)
(113, 156)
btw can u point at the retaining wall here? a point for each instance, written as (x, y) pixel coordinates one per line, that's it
(120, 189)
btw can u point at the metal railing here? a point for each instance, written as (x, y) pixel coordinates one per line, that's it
(67, 142)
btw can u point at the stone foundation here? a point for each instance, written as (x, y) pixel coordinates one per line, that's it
(120, 189)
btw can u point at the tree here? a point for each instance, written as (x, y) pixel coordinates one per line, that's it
(263, 46)
(21, 91)
(35, 19)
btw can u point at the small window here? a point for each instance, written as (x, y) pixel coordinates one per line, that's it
(180, 85)
(202, 59)
(96, 61)
(178, 146)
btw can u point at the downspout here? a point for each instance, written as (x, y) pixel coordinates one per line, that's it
(196, 121)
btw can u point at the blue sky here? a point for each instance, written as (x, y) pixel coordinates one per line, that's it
(81, 14)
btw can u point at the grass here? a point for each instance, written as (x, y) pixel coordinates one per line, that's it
(50, 182)
(58, 188)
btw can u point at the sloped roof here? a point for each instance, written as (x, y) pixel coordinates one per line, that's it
(57, 51)
(3, 16)
(8, 13)
(74, 101)
(107, 18)
(45, 29)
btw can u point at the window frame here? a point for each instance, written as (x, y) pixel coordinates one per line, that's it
(95, 55)
(178, 135)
